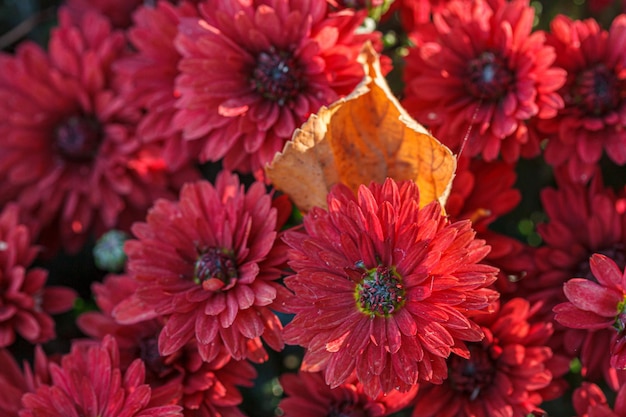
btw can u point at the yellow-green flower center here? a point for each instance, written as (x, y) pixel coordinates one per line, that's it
(380, 292)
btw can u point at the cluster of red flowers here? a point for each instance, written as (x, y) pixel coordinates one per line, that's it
(142, 130)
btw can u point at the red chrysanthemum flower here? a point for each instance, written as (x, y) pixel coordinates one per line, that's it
(598, 304)
(148, 75)
(25, 301)
(307, 395)
(594, 117)
(384, 288)
(208, 266)
(69, 154)
(482, 192)
(89, 383)
(15, 382)
(203, 388)
(118, 11)
(589, 401)
(252, 72)
(582, 220)
(415, 13)
(484, 76)
(504, 373)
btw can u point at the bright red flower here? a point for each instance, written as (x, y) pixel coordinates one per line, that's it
(25, 301)
(208, 266)
(252, 72)
(69, 154)
(582, 220)
(484, 76)
(504, 374)
(89, 383)
(384, 288)
(148, 75)
(598, 305)
(307, 395)
(594, 117)
(202, 388)
(589, 401)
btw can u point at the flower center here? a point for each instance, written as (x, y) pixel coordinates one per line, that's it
(472, 376)
(78, 138)
(380, 292)
(277, 76)
(488, 76)
(215, 263)
(596, 90)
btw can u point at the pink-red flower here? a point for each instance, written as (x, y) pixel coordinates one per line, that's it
(202, 388)
(384, 288)
(69, 155)
(307, 395)
(593, 120)
(596, 305)
(147, 77)
(26, 302)
(590, 401)
(582, 220)
(118, 11)
(15, 382)
(89, 383)
(207, 265)
(483, 76)
(252, 72)
(504, 373)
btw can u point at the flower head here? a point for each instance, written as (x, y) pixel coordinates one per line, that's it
(594, 117)
(89, 383)
(504, 374)
(484, 75)
(26, 302)
(253, 71)
(69, 155)
(384, 288)
(308, 391)
(599, 304)
(16, 382)
(589, 401)
(208, 266)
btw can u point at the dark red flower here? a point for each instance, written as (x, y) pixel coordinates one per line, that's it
(484, 76)
(208, 266)
(598, 304)
(118, 11)
(89, 383)
(589, 401)
(252, 72)
(147, 77)
(594, 117)
(202, 388)
(25, 301)
(307, 395)
(384, 288)
(504, 373)
(69, 154)
(582, 220)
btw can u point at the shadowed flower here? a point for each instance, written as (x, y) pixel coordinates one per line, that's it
(147, 77)
(307, 395)
(118, 11)
(203, 388)
(89, 383)
(69, 155)
(384, 288)
(582, 220)
(15, 382)
(484, 75)
(594, 117)
(589, 401)
(25, 301)
(504, 374)
(208, 266)
(598, 304)
(253, 71)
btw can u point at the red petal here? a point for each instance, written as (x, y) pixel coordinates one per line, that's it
(568, 315)
(589, 296)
